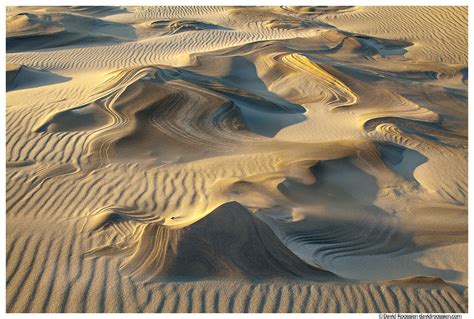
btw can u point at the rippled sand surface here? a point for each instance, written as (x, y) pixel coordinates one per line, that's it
(236, 159)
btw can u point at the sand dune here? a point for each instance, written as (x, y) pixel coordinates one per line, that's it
(236, 159)
(60, 29)
(427, 28)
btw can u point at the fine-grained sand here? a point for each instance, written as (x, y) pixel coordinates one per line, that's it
(236, 159)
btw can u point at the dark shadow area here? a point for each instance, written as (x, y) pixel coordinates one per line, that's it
(64, 39)
(27, 78)
(384, 47)
(401, 160)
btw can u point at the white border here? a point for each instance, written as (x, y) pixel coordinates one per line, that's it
(203, 2)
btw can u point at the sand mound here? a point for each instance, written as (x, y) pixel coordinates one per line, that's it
(20, 77)
(168, 112)
(228, 243)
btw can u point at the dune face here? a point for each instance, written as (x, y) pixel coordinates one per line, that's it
(230, 243)
(236, 159)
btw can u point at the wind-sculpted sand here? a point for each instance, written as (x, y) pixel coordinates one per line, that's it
(228, 159)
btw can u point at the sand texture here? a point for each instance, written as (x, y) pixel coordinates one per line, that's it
(236, 159)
